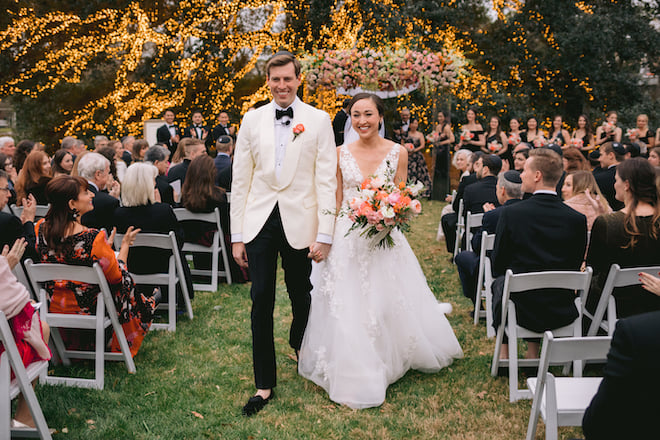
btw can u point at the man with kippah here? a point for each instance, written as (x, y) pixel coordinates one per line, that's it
(467, 262)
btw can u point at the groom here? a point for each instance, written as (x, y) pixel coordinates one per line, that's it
(284, 184)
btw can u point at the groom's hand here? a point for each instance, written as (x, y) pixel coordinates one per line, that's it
(318, 251)
(239, 254)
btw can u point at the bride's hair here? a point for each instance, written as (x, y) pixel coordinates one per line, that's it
(380, 105)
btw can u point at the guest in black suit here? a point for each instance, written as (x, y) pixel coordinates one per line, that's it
(199, 130)
(449, 221)
(629, 237)
(339, 122)
(487, 167)
(141, 210)
(538, 234)
(96, 170)
(34, 177)
(625, 406)
(11, 227)
(169, 134)
(224, 128)
(192, 148)
(158, 157)
(467, 262)
(611, 155)
(127, 145)
(225, 148)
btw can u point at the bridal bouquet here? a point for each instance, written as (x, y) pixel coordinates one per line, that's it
(382, 206)
(576, 143)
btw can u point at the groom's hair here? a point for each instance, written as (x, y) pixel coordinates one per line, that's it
(282, 58)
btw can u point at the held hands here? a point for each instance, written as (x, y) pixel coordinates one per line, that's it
(318, 251)
(29, 209)
(488, 207)
(239, 254)
(14, 254)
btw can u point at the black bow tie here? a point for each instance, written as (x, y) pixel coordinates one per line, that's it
(198, 126)
(288, 112)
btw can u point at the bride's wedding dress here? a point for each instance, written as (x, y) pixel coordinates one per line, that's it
(373, 316)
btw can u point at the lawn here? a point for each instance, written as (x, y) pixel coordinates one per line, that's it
(192, 384)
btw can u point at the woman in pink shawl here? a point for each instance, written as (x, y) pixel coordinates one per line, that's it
(30, 334)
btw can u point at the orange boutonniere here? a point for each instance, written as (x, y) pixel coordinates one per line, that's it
(297, 130)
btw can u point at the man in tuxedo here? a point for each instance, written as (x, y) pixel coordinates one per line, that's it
(284, 186)
(96, 170)
(11, 227)
(625, 405)
(198, 130)
(224, 147)
(224, 128)
(159, 157)
(191, 148)
(611, 155)
(467, 262)
(405, 121)
(168, 134)
(339, 122)
(538, 234)
(127, 146)
(487, 167)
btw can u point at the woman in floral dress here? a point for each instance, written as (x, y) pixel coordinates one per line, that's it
(417, 169)
(62, 239)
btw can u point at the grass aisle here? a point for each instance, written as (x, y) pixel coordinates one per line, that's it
(192, 384)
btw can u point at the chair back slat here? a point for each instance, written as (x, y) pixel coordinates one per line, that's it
(159, 241)
(182, 215)
(585, 348)
(42, 272)
(573, 280)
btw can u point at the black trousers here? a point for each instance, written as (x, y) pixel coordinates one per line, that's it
(262, 253)
(448, 222)
(467, 265)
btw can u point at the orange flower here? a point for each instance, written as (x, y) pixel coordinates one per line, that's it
(402, 185)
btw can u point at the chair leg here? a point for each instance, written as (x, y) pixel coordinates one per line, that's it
(5, 401)
(513, 368)
(171, 305)
(477, 305)
(490, 331)
(60, 348)
(99, 358)
(495, 365)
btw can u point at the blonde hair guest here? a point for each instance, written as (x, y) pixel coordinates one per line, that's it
(581, 192)
(139, 185)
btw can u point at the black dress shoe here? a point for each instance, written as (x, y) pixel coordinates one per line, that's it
(256, 404)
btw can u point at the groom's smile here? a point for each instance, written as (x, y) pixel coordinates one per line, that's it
(283, 84)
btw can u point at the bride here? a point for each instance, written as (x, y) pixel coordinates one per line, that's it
(373, 316)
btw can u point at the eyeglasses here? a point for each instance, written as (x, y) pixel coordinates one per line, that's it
(6, 188)
(9, 164)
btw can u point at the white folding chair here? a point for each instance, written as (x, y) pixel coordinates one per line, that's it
(440, 233)
(106, 316)
(521, 284)
(22, 383)
(41, 211)
(460, 228)
(473, 221)
(175, 274)
(217, 249)
(616, 277)
(562, 401)
(484, 281)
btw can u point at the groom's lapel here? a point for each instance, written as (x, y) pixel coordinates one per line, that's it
(267, 142)
(293, 148)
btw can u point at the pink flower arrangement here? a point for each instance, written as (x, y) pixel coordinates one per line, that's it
(514, 139)
(494, 147)
(576, 143)
(408, 146)
(540, 142)
(379, 70)
(432, 137)
(382, 206)
(467, 135)
(608, 127)
(632, 133)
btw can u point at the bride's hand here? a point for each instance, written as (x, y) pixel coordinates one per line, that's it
(318, 251)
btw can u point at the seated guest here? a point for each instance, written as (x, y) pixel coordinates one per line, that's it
(7, 165)
(30, 334)
(574, 160)
(467, 262)
(120, 165)
(110, 154)
(61, 238)
(127, 148)
(140, 147)
(62, 163)
(611, 155)
(11, 227)
(629, 237)
(461, 162)
(449, 221)
(7, 146)
(23, 148)
(225, 147)
(487, 167)
(33, 178)
(538, 234)
(158, 157)
(580, 192)
(625, 405)
(96, 170)
(141, 210)
(519, 158)
(192, 148)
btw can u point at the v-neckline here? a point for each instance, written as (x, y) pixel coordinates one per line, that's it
(362, 176)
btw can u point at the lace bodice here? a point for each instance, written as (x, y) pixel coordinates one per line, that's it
(352, 176)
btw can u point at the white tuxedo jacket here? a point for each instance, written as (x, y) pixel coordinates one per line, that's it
(306, 189)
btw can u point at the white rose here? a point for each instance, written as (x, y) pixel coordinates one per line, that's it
(416, 188)
(387, 211)
(368, 193)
